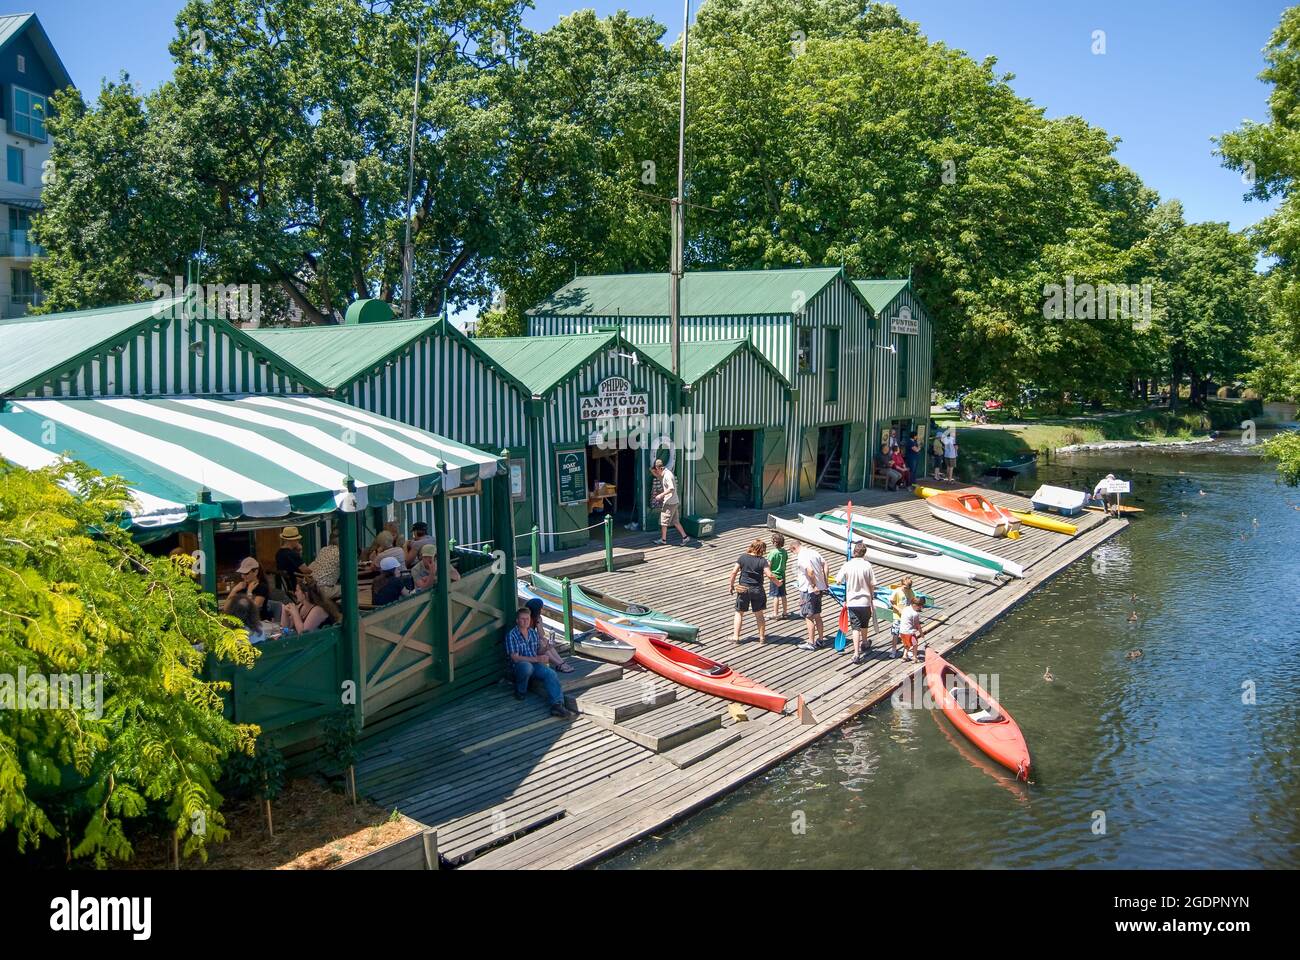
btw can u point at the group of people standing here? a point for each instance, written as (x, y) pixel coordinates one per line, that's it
(758, 568)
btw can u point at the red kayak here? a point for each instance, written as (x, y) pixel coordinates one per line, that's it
(689, 669)
(979, 717)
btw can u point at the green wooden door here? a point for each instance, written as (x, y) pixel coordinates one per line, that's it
(705, 477)
(570, 517)
(771, 483)
(852, 468)
(808, 462)
(519, 467)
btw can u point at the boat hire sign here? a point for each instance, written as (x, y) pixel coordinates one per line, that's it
(904, 322)
(613, 399)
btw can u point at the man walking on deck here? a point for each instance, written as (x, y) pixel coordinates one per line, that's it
(860, 597)
(812, 587)
(669, 503)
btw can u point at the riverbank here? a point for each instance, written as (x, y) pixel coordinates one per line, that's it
(984, 445)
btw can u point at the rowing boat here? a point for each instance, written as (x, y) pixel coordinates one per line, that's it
(971, 510)
(863, 523)
(583, 616)
(979, 717)
(654, 652)
(828, 537)
(599, 603)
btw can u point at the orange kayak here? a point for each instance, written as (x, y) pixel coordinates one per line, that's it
(690, 669)
(981, 719)
(974, 511)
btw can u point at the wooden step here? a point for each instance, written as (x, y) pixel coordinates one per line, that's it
(701, 748)
(587, 674)
(480, 832)
(668, 727)
(627, 698)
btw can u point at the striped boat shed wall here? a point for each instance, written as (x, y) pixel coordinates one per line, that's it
(818, 300)
(561, 381)
(153, 350)
(912, 363)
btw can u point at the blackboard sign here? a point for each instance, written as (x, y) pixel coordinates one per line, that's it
(571, 476)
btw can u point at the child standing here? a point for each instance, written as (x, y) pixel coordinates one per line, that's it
(910, 630)
(899, 600)
(776, 560)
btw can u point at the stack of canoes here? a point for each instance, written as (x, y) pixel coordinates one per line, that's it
(589, 603)
(825, 532)
(914, 539)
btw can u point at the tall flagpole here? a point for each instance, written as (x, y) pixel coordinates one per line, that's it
(408, 255)
(678, 211)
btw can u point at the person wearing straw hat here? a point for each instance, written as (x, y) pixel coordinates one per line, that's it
(288, 559)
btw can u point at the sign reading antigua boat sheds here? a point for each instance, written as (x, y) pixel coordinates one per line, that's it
(614, 398)
(904, 322)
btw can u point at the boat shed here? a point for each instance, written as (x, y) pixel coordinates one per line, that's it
(902, 380)
(155, 348)
(596, 409)
(421, 372)
(810, 323)
(739, 403)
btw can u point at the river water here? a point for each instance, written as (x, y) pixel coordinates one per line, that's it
(1180, 757)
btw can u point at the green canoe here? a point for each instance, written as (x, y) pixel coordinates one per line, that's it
(615, 607)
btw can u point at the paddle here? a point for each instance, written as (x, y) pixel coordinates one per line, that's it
(841, 634)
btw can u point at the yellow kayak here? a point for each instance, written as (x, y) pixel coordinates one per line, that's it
(1046, 523)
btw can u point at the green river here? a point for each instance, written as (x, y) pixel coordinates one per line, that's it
(1182, 756)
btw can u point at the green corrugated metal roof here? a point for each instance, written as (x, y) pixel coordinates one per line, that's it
(336, 354)
(700, 358)
(542, 363)
(36, 345)
(704, 294)
(881, 293)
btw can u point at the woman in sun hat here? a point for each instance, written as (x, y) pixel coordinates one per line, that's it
(251, 584)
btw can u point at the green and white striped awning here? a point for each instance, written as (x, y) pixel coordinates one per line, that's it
(255, 456)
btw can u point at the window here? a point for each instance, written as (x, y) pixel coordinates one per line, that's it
(832, 365)
(28, 115)
(807, 362)
(22, 63)
(14, 159)
(21, 288)
(19, 220)
(904, 344)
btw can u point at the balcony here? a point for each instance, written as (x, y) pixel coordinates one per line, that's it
(14, 243)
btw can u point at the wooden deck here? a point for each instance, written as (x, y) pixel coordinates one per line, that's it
(507, 786)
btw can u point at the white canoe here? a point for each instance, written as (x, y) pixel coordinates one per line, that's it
(1060, 500)
(808, 530)
(958, 551)
(898, 556)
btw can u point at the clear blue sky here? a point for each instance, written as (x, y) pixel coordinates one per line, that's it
(1175, 72)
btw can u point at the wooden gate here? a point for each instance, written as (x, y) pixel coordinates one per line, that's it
(297, 680)
(477, 621)
(398, 652)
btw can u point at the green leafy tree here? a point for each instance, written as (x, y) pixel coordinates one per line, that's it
(1268, 157)
(1284, 449)
(78, 598)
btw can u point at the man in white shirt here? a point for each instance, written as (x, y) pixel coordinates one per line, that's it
(812, 586)
(950, 451)
(860, 597)
(669, 503)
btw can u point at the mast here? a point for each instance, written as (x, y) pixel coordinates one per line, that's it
(678, 211)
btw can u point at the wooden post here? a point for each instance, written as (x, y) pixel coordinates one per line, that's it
(442, 590)
(568, 613)
(504, 534)
(536, 549)
(351, 639)
(609, 544)
(208, 547)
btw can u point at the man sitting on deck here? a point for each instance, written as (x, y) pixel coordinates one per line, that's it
(527, 660)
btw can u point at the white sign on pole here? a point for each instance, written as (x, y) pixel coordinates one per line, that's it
(1117, 486)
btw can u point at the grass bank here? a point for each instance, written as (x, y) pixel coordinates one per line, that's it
(984, 446)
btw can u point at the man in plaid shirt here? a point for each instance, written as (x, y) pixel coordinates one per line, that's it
(524, 648)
